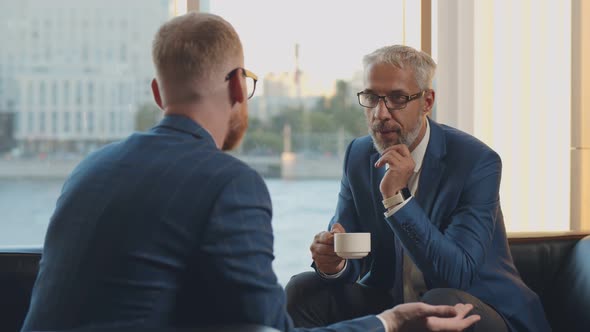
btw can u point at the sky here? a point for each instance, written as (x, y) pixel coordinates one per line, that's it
(333, 35)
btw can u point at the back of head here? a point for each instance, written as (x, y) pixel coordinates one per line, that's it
(189, 52)
(405, 57)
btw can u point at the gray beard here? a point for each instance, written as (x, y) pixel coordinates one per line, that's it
(406, 139)
(411, 136)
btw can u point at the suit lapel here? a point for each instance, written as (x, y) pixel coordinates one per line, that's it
(376, 177)
(384, 277)
(433, 167)
(432, 170)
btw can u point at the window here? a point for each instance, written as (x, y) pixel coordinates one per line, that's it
(114, 95)
(300, 86)
(112, 122)
(42, 122)
(42, 95)
(30, 122)
(78, 122)
(120, 122)
(66, 93)
(84, 53)
(307, 54)
(90, 122)
(91, 93)
(30, 95)
(66, 124)
(78, 93)
(54, 122)
(497, 81)
(305, 107)
(122, 93)
(123, 53)
(54, 94)
(18, 124)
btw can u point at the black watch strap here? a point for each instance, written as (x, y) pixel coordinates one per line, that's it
(406, 193)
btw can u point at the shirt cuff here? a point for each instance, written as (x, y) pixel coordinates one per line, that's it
(385, 326)
(335, 275)
(396, 208)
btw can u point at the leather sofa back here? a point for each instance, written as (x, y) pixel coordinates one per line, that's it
(557, 268)
(18, 270)
(570, 309)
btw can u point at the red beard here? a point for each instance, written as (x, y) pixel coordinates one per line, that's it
(238, 123)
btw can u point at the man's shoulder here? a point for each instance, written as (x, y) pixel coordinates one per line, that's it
(237, 166)
(226, 168)
(460, 142)
(362, 146)
(145, 153)
(464, 152)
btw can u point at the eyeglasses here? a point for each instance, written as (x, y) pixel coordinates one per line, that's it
(393, 101)
(250, 77)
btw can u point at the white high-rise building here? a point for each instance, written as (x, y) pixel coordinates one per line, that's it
(74, 73)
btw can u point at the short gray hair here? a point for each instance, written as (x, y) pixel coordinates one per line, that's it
(405, 57)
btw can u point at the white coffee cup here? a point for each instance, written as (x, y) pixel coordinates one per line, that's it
(352, 245)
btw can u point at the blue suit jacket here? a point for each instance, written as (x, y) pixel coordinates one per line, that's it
(453, 229)
(162, 229)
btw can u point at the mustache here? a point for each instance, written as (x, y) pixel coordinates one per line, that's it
(383, 126)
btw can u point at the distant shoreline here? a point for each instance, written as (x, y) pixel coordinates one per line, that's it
(290, 167)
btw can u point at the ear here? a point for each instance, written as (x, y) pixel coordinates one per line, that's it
(156, 93)
(429, 101)
(237, 89)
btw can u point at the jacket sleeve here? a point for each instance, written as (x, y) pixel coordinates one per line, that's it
(238, 247)
(238, 244)
(451, 258)
(346, 215)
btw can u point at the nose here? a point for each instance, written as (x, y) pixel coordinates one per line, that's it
(380, 112)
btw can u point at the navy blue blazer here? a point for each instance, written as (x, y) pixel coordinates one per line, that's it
(453, 229)
(162, 229)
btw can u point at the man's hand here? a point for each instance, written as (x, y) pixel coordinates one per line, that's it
(420, 316)
(401, 167)
(322, 251)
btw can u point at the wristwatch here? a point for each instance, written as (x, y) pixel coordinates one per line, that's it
(398, 198)
(405, 192)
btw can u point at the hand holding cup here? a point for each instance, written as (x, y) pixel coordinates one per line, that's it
(322, 251)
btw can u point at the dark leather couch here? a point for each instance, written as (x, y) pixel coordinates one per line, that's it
(556, 266)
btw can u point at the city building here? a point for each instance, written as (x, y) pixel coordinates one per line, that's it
(76, 72)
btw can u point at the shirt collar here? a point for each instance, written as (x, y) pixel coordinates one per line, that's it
(420, 150)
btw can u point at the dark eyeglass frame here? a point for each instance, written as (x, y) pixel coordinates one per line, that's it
(408, 99)
(246, 73)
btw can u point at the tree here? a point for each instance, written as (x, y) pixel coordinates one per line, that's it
(343, 109)
(329, 120)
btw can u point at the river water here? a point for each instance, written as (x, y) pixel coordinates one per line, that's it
(301, 208)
